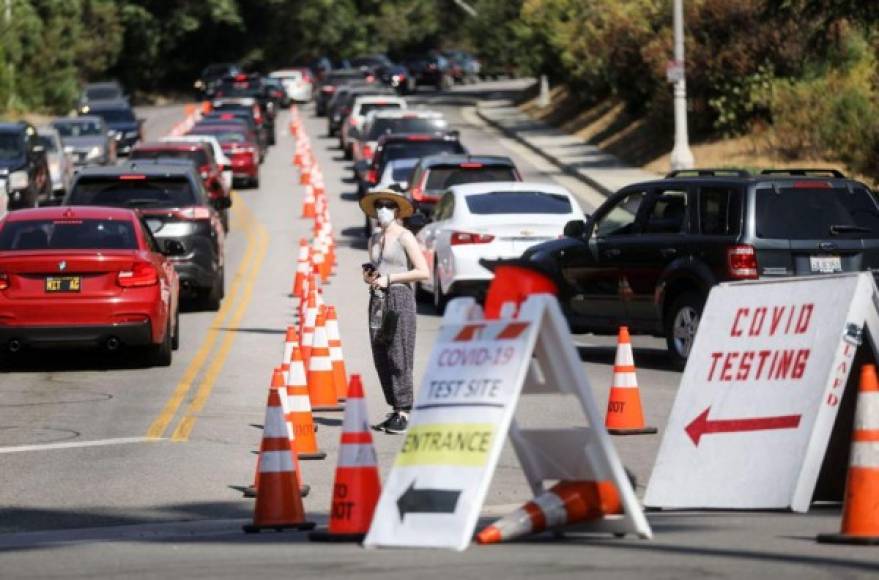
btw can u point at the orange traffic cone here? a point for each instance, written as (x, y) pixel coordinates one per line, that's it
(337, 357)
(291, 341)
(860, 511)
(624, 413)
(306, 336)
(357, 486)
(299, 410)
(320, 371)
(308, 203)
(278, 502)
(301, 268)
(567, 502)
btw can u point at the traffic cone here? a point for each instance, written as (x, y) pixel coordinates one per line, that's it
(308, 203)
(291, 341)
(278, 502)
(357, 486)
(860, 510)
(299, 410)
(301, 268)
(624, 413)
(306, 336)
(567, 502)
(337, 357)
(321, 389)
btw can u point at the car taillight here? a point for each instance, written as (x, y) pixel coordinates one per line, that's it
(142, 274)
(372, 176)
(418, 189)
(470, 165)
(367, 152)
(328, 89)
(742, 262)
(194, 213)
(4, 281)
(462, 238)
(352, 121)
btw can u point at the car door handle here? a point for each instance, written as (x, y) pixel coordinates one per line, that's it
(613, 252)
(668, 252)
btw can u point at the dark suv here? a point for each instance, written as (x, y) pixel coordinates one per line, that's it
(435, 174)
(171, 197)
(651, 253)
(23, 165)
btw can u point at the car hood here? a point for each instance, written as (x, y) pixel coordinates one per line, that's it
(84, 142)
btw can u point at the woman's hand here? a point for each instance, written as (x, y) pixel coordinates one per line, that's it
(369, 276)
(381, 281)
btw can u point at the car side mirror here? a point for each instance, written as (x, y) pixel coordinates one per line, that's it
(173, 248)
(576, 229)
(18, 180)
(223, 203)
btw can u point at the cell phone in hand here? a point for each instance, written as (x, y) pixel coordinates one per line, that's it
(368, 267)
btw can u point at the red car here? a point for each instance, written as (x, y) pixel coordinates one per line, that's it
(202, 157)
(86, 275)
(240, 146)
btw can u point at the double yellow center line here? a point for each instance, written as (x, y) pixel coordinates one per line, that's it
(235, 302)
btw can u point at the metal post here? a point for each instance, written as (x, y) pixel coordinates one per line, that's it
(681, 156)
(543, 99)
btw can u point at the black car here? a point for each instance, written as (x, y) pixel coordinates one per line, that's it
(330, 84)
(210, 75)
(23, 165)
(430, 69)
(98, 92)
(435, 174)
(242, 87)
(650, 254)
(171, 197)
(120, 119)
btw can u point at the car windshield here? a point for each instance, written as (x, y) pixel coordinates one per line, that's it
(78, 128)
(402, 149)
(103, 93)
(48, 143)
(402, 125)
(367, 107)
(198, 157)
(133, 192)
(798, 213)
(518, 202)
(68, 234)
(443, 177)
(11, 146)
(116, 115)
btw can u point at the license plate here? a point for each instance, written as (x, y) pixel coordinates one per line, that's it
(825, 264)
(62, 284)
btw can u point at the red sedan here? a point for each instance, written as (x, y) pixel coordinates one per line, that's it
(240, 146)
(86, 275)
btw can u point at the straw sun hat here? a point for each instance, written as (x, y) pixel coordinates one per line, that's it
(367, 203)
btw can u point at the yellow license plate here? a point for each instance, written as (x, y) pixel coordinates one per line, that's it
(63, 283)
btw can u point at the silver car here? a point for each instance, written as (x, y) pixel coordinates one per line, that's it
(60, 161)
(87, 139)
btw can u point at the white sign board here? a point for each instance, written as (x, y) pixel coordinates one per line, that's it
(758, 400)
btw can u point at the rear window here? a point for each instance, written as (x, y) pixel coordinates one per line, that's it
(116, 115)
(814, 214)
(133, 193)
(200, 158)
(227, 136)
(443, 177)
(417, 149)
(518, 202)
(103, 93)
(367, 107)
(78, 128)
(68, 234)
(11, 145)
(381, 126)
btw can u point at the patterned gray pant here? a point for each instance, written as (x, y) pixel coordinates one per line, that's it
(394, 362)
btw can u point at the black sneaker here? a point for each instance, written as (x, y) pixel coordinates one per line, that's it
(381, 426)
(397, 424)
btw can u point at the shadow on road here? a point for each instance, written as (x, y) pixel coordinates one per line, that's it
(255, 330)
(649, 358)
(39, 360)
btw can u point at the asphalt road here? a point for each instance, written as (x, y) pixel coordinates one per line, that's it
(111, 469)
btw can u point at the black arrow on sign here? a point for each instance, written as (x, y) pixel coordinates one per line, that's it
(427, 501)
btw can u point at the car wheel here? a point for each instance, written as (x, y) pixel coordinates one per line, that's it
(254, 183)
(213, 296)
(161, 354)
(439, 299)
(224, 219)
(681, 323)
(175, 339)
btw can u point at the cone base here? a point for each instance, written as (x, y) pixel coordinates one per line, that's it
(328, 408)
(254, 529)
(846, 539)
(308, 456)
(641, 431)
(326, 536)
(250, 491)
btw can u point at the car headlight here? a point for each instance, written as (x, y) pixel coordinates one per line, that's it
(93, 153)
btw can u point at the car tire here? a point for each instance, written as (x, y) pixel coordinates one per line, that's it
(224, 219)
(175, 339)
(681, 323)
(213, 296)
(439, 299)
(254, 183)
(162, 354)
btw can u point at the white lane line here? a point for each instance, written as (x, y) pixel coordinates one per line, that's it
(75, 444)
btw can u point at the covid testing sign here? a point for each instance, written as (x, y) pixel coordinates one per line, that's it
(759, 397)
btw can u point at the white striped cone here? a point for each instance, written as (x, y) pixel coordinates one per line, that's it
(337, 357)
(299, 409)
(321, 388)
(291, 341)
(625, 416)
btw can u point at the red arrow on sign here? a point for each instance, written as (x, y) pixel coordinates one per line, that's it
(701, 425)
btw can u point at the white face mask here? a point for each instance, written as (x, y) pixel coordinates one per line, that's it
(384, 215)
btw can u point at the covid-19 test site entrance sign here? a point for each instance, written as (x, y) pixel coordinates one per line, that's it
(760, 397)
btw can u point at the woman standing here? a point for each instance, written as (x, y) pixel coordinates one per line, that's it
(395, 264)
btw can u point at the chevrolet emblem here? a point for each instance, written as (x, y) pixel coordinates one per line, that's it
(62, 265)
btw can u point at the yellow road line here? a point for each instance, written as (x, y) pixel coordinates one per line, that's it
(184, 428)
(157, 428)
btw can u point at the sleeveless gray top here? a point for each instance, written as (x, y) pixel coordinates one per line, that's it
(393, 260)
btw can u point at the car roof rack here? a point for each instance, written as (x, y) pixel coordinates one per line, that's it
(805, 172)
(709, 172)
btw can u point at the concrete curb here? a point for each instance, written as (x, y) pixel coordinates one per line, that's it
(564, 167)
